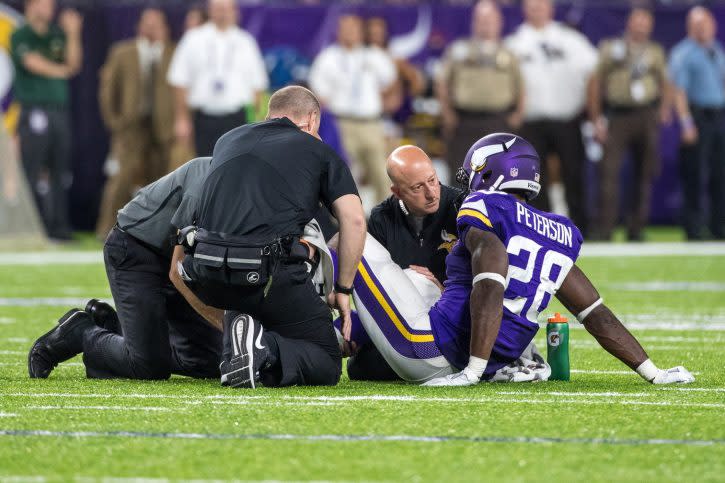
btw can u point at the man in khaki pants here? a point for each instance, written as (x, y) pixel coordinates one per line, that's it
(350, 79)
(630, 84)
(479, 86)
(137, 107)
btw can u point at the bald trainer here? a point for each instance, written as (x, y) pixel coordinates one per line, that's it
(417, 225)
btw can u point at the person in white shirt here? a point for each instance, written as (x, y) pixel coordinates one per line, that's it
(556, 64)
(217, 71)
(350, 80)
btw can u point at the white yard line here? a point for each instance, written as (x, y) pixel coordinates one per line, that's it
(361, 438)
(499, 400)
(52, 258)
(616, 373)
(592, 344)
(22, 479)
(693, 389)
(667, 286)
(593, 250)
(38, 301)
(105, 408)
(607, 250)
(242, 399)
(674, 338)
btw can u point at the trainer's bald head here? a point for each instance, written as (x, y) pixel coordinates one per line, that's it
(414, 180)
(406, 160)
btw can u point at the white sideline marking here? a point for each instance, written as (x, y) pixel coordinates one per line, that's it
(243, 399)
(623, 373)
(369, 397)
(589, 344)
(666, 321)
(652, 249)
(674, 338)
(22, 479)
(13, 353)
(52, 258)
(7, 320)
(65, 364)
(8, 415)
(668, 286)
(588, 250)
(38, 301)
(498, 400)
(18, 340)
(595, 371)
(368, 437)
(693, 389)
(139, 479)
(107, 408)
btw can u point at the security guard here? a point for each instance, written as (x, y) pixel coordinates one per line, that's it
(697, 69)
(266, 183)
(417, 225)
(155, 332)
(630, 83)
(479, 85)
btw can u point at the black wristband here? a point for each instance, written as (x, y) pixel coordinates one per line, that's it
(345, 290)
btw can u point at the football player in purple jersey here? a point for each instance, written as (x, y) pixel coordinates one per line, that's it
(510, 260)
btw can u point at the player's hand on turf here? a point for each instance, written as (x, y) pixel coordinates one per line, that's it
(672, 376)
(463, 378)
(342, 304)
(427, 274)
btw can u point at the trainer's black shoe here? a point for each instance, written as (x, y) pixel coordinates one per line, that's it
(103, 315)
(248, 355)
(59, 344)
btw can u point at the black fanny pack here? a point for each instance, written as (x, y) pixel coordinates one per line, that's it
(230, 260)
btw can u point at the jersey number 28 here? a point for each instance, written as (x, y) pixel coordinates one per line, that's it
(547, 260)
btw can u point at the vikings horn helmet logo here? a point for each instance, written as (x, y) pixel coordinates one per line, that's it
(480, 156)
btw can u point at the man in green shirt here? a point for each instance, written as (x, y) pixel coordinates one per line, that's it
(45, 56)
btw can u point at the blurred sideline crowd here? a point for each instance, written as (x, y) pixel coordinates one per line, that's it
(164, 103)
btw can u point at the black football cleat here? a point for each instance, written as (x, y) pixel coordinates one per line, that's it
(103, 315)
(59, 344)
(248, 354)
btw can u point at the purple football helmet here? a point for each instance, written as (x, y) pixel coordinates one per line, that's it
(504, 162)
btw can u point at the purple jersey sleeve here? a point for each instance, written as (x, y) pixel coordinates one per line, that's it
(478, 212)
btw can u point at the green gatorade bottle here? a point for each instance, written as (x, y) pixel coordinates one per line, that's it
(557, 345)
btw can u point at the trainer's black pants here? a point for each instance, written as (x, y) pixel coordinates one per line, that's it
(45, 149)
(161, 333)
(562, 138)
(208, 129)
(298, 326)
(370, 365)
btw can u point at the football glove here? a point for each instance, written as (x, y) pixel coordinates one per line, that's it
(671, 376)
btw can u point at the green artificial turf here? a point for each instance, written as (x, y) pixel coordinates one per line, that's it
(606, 424)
